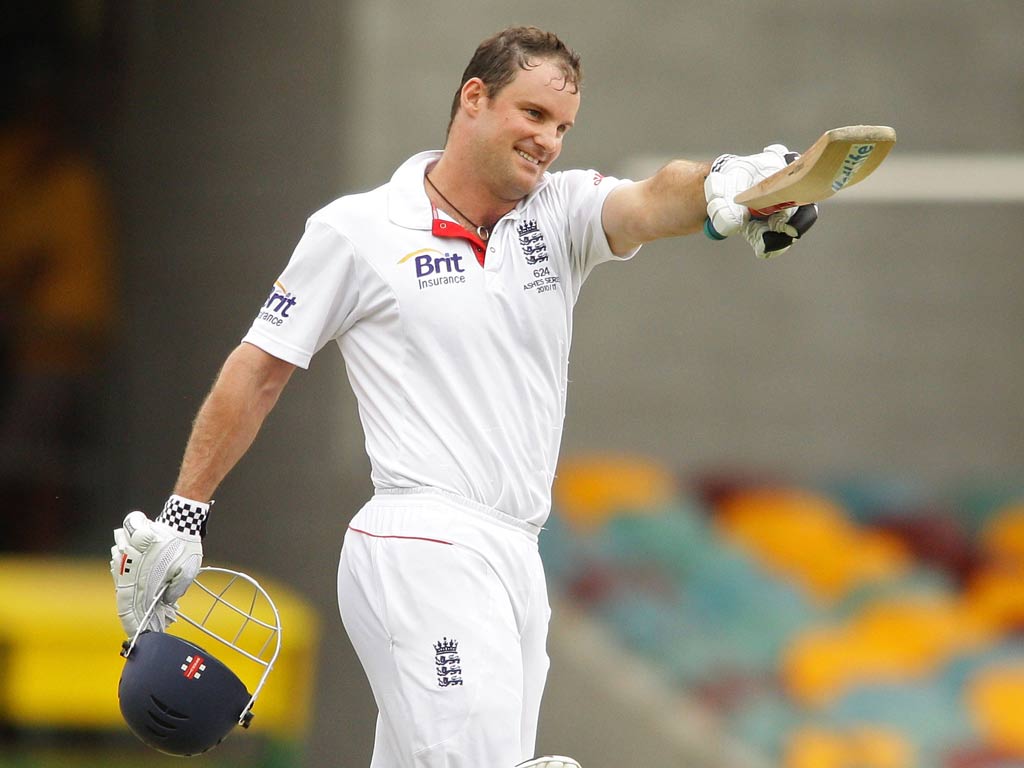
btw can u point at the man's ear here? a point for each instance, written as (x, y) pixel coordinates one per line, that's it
(474, 95)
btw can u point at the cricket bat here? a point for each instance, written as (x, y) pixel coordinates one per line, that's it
(839, 159)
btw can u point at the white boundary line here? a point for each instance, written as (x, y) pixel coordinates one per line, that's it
(912, 178)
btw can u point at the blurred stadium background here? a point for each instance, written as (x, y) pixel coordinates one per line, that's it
(789, 523)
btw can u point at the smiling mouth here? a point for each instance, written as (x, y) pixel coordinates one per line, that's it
(528, 158)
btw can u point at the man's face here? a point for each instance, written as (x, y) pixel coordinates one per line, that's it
(519, 132)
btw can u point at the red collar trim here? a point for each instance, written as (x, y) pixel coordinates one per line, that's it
(444, 228)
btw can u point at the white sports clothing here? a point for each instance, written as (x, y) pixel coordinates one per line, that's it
(459, 368)
(446, 605)
(458, 353)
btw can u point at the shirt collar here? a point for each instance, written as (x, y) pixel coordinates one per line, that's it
(408, 204)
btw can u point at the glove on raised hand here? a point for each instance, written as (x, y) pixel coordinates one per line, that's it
(150, 553)
(732, 174)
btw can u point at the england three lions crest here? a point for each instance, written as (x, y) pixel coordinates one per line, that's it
(531, 240)
(447, 662)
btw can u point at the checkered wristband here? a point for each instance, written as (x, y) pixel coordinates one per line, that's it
(185, 515)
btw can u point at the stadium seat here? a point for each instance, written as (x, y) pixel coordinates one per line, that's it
(895, 640)
(808, 538)
(589, 489)
(860, 747)
(995, 697)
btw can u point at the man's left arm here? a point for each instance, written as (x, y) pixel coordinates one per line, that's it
(682, 195)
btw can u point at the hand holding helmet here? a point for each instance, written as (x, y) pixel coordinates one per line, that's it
(149, 554)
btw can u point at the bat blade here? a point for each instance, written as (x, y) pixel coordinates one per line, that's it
(840, 158)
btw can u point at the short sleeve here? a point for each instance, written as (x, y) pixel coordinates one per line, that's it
(583, 194)
(313, 301)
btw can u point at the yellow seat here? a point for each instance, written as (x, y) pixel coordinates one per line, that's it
(807, 538)
(892, 640)
(816, 665)
(915, 635)
(590, 489)
(857, 747)
(60, 644)
(995, 699)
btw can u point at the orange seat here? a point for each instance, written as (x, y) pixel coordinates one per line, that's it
(808, 539)
(859, 747)
(995, 598)
(890, 640)
(590, 489)
(1002, 538)
(995, 699)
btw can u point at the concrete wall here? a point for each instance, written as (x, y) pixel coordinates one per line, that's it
(890, 339)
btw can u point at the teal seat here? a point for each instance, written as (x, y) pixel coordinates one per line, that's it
(763, 720)
(927, 713)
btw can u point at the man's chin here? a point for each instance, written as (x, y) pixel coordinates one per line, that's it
(528, 180)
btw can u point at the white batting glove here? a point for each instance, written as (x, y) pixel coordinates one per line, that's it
(150, 553)
(775, 235)
(550, 761)
(729, 176)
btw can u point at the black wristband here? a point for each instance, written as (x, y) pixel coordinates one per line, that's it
(185, 515)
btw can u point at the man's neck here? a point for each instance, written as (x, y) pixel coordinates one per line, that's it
(465, 190)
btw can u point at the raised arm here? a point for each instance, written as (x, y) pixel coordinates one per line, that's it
(669, 203)
(246, 390)
(677, 199)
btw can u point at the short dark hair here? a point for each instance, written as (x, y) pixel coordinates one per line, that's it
(498, 58)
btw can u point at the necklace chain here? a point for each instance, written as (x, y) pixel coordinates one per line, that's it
(482, 232)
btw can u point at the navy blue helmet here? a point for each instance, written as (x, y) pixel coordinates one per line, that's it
(178, 698)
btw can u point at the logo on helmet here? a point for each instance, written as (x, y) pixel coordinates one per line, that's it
(193, 667)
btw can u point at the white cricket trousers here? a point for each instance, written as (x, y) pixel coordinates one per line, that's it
(445, 603)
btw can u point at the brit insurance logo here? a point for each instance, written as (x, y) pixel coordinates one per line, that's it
(279, 304)
(531, 240)
(434, 268)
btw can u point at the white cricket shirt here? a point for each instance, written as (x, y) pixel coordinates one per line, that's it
(459, 368)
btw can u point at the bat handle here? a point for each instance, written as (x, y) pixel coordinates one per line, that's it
(764, 213)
